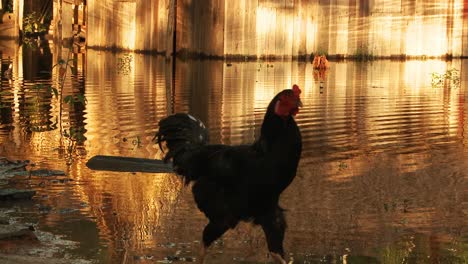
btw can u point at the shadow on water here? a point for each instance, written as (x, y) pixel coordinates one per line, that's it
(382, 178)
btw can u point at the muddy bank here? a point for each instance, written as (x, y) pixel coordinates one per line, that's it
(21, 240)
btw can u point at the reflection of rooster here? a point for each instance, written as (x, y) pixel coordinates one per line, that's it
(239, 183)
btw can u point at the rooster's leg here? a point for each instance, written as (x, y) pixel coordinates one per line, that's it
(211, 232)
(274, 226)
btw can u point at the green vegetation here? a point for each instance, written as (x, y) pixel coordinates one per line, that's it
(33, 25)
(4, 102)
(124, 64)
(76, 135)
(76, 98)
(7, 6)
(342, 165)
(451, 78)
(362, 54)
(319, 52)
(71, 136)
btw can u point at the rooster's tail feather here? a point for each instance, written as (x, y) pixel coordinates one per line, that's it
(180, 131)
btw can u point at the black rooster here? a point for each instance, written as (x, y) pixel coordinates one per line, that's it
(239, 183)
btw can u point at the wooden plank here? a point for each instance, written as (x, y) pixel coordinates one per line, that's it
(128, 164)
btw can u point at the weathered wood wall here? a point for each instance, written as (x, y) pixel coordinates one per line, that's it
(284, 28)
(338, 27)
(128, 24)
(200, 26)
(465, 29)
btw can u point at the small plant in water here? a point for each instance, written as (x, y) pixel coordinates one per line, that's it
(342, 165)
(71, 135)
(39, 87)
(76, 98)
(450, 77)
(124, 65)
(362, 54)
(137, 142)
(5, 101)
(76, 135)
(320, 52)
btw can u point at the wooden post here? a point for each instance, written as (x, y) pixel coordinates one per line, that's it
(171, 33)
(171, 29)
(18, 8)
(58, 22)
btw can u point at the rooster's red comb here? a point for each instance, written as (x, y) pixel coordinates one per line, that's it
(296, 90)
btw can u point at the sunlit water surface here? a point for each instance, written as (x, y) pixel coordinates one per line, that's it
(383, 175)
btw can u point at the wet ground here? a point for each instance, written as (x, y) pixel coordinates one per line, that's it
(383, 176)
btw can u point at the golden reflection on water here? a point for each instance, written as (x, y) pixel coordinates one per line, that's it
(383, 173)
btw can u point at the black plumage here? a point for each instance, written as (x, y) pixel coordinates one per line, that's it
(239, 183)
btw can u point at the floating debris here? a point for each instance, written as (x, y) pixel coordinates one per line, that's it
(44, 209)
(67, 210)
(16, 194)
(8, 232)
(10, 168)
(47, 173)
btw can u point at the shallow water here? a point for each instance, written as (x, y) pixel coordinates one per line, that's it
(383, 175)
